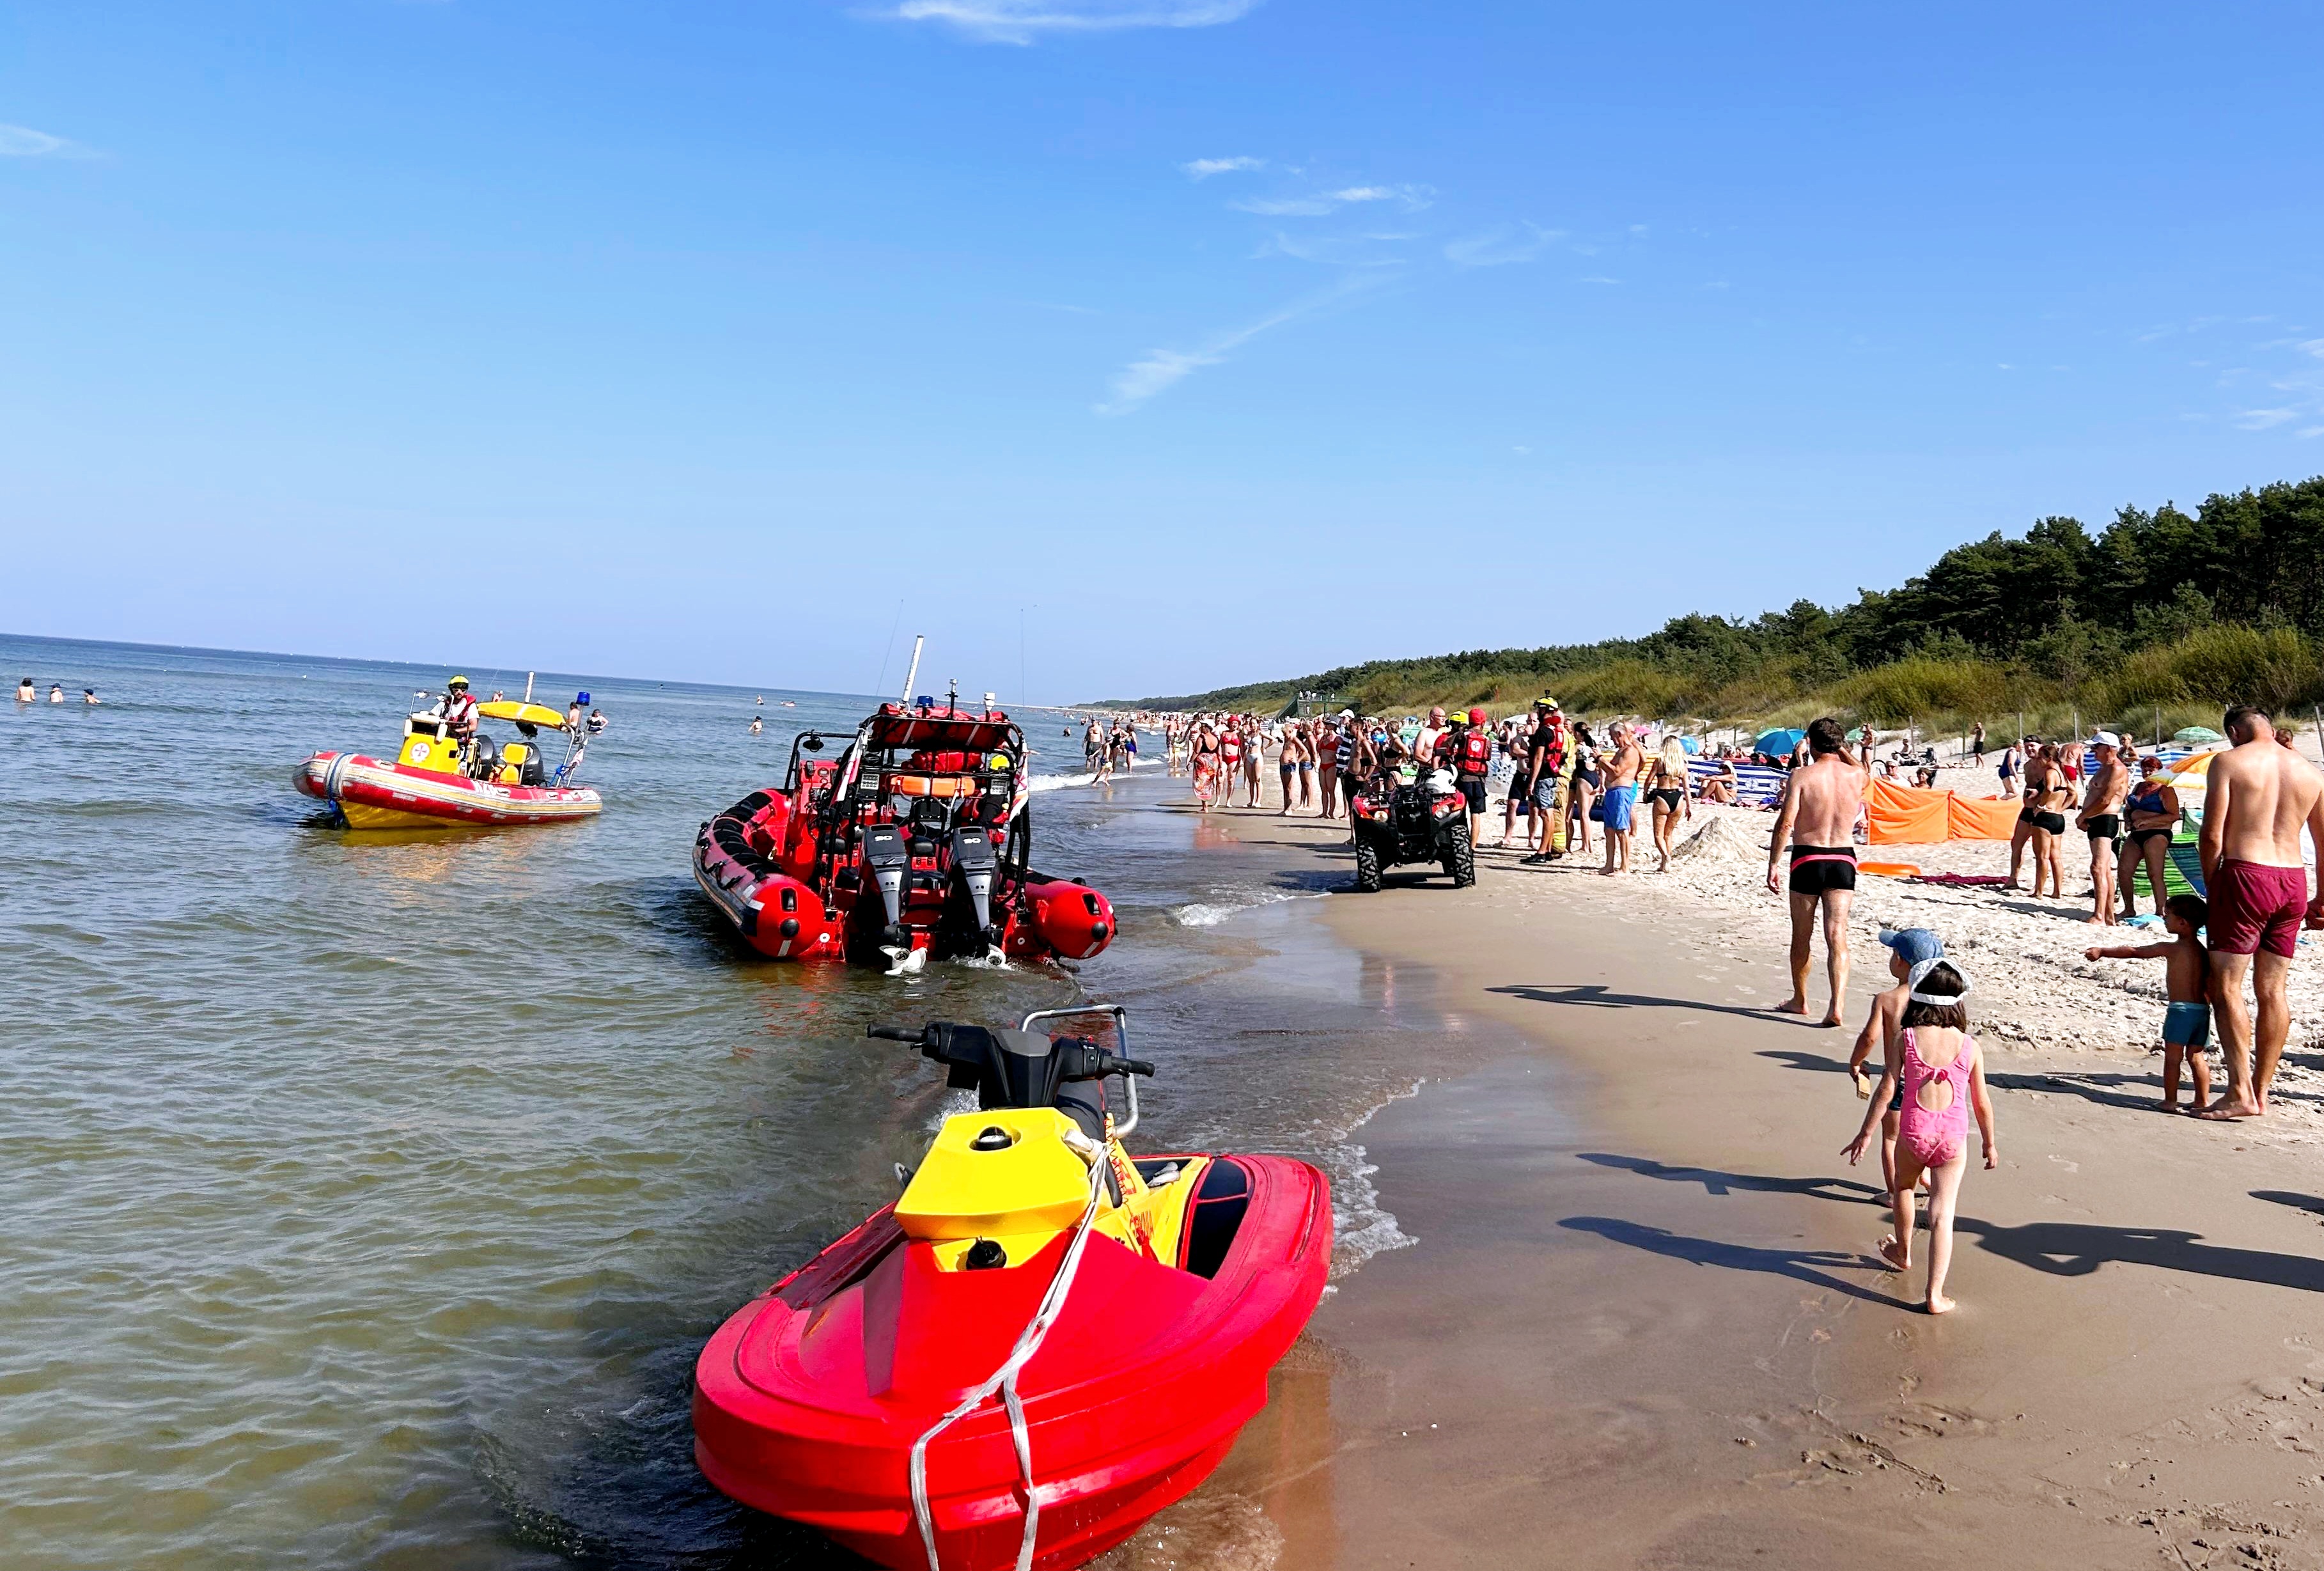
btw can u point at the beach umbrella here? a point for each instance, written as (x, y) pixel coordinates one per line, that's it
(2193, 774)
(1777, 744)
(2195, 735)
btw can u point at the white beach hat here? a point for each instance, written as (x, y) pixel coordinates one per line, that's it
(2105, 739)
(1921, 968)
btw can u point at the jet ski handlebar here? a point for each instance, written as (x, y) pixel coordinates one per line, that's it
(1079, 1058)
(1011, 1068)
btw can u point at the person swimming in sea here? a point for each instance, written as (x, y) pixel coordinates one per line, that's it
(26, 693)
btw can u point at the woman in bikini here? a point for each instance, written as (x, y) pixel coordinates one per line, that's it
(1936, 1065)
(1666, 789)
(1585, 790)
(2154, 815)
(2042, 819)
(2056, 800)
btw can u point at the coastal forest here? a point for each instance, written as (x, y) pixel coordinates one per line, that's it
(2153, 622)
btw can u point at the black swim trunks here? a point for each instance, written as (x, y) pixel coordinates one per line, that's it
(1473, 788)
(2051, 823)
(2105, 827)
(1818, 868)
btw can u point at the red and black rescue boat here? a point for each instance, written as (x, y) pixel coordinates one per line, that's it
(914, 841)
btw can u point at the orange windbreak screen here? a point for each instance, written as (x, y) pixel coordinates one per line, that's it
(1983, 817)
(1900, 816)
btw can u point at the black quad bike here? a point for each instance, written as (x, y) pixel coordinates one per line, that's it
(1396, 824)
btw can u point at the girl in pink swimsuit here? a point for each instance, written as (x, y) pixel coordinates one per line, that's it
(1942, 1077)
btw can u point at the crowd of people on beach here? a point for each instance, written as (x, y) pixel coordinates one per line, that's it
(2260, 798)
(1560, 777)
(2226, 950)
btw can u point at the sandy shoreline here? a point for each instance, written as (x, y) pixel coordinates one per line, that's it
(1641, 1325)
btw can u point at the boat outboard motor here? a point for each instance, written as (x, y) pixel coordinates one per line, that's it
(1014, 1069)
(889, 855)
(975, 859)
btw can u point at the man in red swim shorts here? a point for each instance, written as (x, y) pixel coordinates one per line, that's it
(2260, 797)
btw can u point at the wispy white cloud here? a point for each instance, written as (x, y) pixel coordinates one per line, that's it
(1409, 199)
(23, 142)
(1284, 208)
(1501, 245)
(1336, 250)
(1023, 21)
(1596, 278)
(1204, 168)
(1159, 370)
(2260, 420)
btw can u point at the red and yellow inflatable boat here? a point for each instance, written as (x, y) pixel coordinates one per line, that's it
(436, 781)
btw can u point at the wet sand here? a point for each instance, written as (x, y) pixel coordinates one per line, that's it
(1642, 1324)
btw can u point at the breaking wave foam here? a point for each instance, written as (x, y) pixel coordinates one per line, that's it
(1361, 1227)
(1210, 914)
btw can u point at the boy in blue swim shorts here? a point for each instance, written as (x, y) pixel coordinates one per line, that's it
(2187, 1018)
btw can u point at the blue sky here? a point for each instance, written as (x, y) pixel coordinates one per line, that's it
(1224, 340)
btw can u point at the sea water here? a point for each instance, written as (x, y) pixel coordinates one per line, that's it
(368, 1198)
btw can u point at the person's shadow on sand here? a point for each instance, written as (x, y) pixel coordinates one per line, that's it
(1598, 996)
(2076, 1249)
(1801, 1265)
(1820, 1063)
(1715, 1182)
(2089, 1088)
(2296, 1201)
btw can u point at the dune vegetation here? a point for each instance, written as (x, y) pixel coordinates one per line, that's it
(2152, 624)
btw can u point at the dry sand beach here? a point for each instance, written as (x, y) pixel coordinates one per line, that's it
(1642, 1312)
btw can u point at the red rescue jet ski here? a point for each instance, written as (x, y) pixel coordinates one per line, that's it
(913, 841)
(1041, 1344)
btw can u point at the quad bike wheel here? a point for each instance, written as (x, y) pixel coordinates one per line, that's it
(1368, 867)
(1460, 858)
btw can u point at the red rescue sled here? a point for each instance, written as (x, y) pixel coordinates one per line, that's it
(809, 1402)
(913, 841)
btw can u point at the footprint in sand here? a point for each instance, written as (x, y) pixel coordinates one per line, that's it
(2070, 1167)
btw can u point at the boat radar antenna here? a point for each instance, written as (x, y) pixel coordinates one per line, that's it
(913, 675)
(952, 696)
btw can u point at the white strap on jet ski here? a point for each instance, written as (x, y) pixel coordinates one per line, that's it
(1004, 1379)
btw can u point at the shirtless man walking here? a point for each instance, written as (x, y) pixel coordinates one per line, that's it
(1623, 762)
(1822, 801)
(2102, 820)
(2260, 797)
